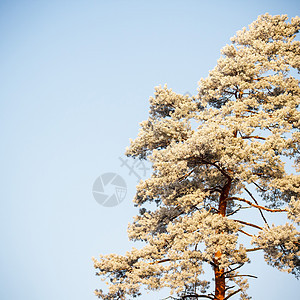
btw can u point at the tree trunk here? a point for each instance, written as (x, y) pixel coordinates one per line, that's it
(219, 273)
(219, 283)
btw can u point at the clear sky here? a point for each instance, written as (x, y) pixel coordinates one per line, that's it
(75, 81)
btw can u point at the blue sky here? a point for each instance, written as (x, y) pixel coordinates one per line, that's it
(75, 81)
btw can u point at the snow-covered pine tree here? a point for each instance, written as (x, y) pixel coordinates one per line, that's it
(215, 156)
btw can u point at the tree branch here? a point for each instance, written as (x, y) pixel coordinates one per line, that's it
(219, 168)
(246, 275)
(262, 215)
(253, 137)
(249, 224)
(263, 190)
(233, 293)
(254, 249)
(203, 161)
(257, 206)
(186, 175)
(251, 111)
(197, 296)
(235, 211)
(214, 189)
(244, 232)
(234, 269)
(160, 261)
(229, 287)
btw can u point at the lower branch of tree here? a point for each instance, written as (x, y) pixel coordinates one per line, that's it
(249, 224)
(196, 296)
(254, 249)
(244, 232)
(186, 175)
(263, 190)
(235, 211)
(233, 293)
(261, 213)
(234, 269)
(253, 137)
(257, 206)
(242, 275)
(229, 288)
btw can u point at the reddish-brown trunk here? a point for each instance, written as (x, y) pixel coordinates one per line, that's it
(219, 272)
(219, 283)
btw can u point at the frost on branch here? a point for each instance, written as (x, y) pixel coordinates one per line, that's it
(294, 210)
(168, 121)
(281, 245)
(235, 146)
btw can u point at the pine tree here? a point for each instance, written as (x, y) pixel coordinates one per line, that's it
(220, 160)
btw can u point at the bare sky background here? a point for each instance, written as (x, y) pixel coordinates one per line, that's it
(75, 81)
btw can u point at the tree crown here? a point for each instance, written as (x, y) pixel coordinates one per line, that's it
(205, 175)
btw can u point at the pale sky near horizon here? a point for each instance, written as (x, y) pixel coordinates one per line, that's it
(75, 81)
